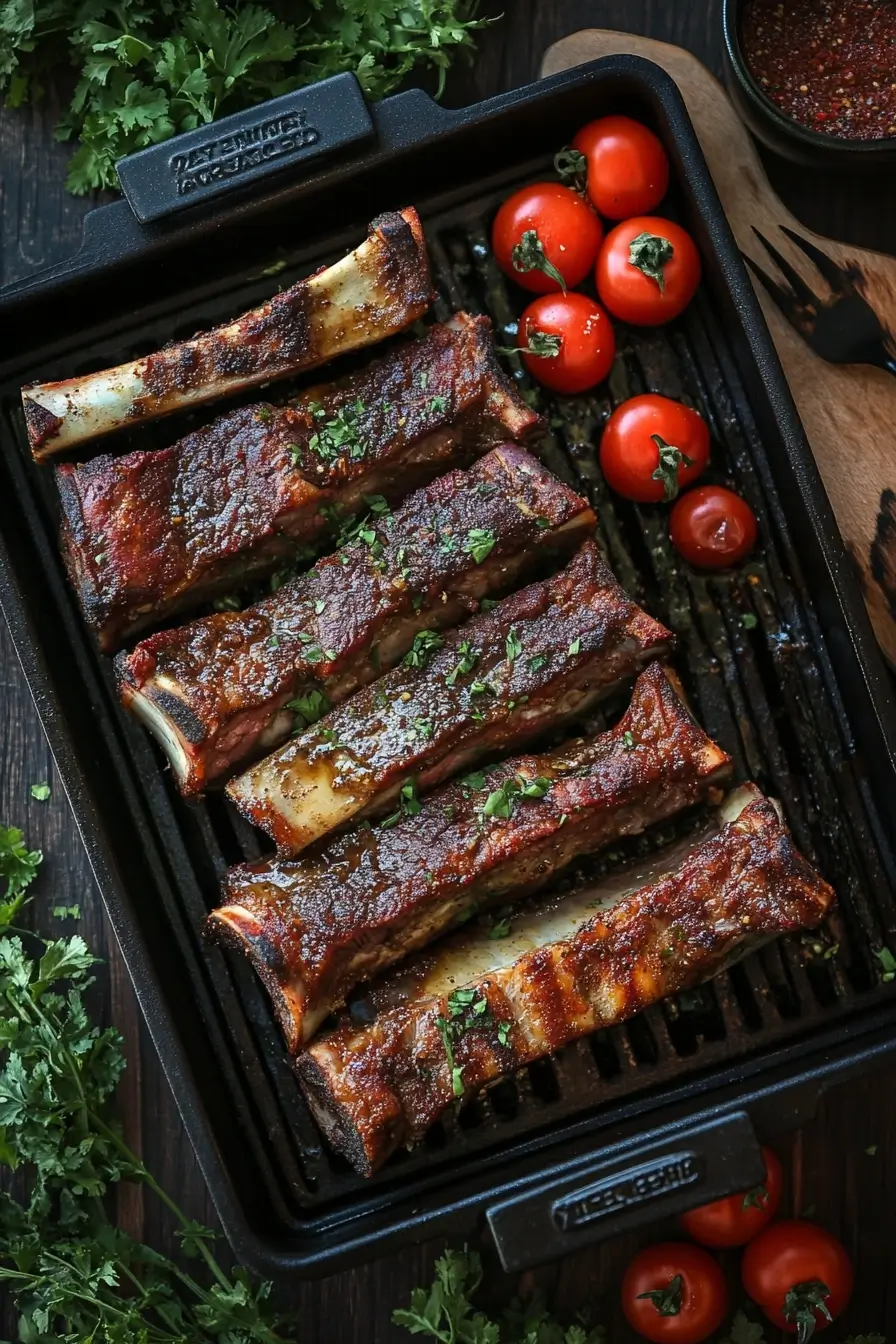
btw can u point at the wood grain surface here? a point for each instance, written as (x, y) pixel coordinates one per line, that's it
(849, 411)
(828, 1168)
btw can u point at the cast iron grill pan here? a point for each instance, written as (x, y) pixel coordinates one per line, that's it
(753, 661)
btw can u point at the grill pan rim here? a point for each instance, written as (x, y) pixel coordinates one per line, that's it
(257, 1249)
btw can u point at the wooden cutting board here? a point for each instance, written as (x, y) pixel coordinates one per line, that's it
(849, 412)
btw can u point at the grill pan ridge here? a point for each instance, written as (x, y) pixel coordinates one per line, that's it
(795, 693)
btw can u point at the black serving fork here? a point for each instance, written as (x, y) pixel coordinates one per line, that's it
(843, 328)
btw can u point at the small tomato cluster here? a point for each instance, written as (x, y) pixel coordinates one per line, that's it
(549, 238)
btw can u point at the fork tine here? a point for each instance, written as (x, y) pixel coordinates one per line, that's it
(836, 276)
(804, 295)
(782, 297)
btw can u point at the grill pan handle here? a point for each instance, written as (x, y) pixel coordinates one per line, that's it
(620, 1190)
(245, 147)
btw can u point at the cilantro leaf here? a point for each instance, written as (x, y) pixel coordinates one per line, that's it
(150, 68)
(18, 865)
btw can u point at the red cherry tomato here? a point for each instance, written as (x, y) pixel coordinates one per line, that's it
(736, 1220)
(792, 1268)
(585, 333)
(651, 447)
(550, 225)
(674, 1293)
(648, 270)
(628, 172)
(712, 527)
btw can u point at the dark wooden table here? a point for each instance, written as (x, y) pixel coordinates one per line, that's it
(830, 1169)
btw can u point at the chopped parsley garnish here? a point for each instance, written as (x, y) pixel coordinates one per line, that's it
(339, 435)
(500, 929)
(377, 504)
(482, 688)
(479, 542)
(422, 728)
(628, 741)
(488, 604)
(575, 647)
(438, 404)
(229, 602)
(468, 660)
(503, 801)
(472, 782)
(308, 708)
(40, 791)
(542, 524)
(887, 964)
(513, 645)
(408, 805)
(263, 414)
(466, 1010)
(425, 644)
(537, 663)
(319, 606)
(313, 653)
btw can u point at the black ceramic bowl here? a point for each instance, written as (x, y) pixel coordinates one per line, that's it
(781, 133)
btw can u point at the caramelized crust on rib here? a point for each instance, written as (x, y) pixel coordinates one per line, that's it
(316, 926)
(215, 692)
(377, 290)
(576, 969)
(578, 636)
(152, 533)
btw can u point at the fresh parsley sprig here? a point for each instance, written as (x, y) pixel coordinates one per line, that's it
(151, 68)
(446, 1312)
(70, 1273)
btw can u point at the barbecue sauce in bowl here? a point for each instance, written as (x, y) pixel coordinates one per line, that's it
(829, 65)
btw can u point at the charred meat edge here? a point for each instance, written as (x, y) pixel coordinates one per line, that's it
(316, 926)
(215, 693)
(587, 960)
(579, 636)
(377, 290)
(152, 533)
